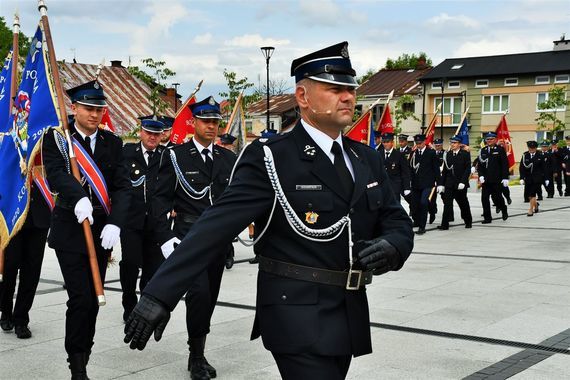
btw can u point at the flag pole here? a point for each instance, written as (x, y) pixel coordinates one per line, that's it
(462, 119)
(72, 159)
(196, 89)
(362, 117)
(13, 89)
(390, 96)
(234, 111)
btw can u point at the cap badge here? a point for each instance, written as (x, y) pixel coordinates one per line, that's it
(311, 217)
(96, 86)
(344, 51)
(211, 101)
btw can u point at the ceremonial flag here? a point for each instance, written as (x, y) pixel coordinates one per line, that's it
(236, 125)
(182, 125)
(35, 111)
(504, 136)
(430, 130)
(385, 124)
(463, 130)
(360, 130)
(106, 121)
(5, 86)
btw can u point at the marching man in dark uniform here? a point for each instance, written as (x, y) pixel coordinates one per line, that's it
(493, 168)
(167, 121)
(565, 159)
(79, 201)
(138, 247)
(397, 167)
(192, 176)
(404, 148)
(532, 175)
(24, 252)
(312, 310)
(455, 179)
(557, 175)
(548, 169)
(439, 152)
(426, 175)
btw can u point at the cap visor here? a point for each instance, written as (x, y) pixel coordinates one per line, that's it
(340, 79)
(93, 102)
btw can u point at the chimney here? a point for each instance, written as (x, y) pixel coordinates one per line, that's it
(421, 62)
(562, 44)
(116, 64)
(170, 92)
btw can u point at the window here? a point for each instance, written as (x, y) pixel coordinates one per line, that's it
(451, 107)
(435, 85)
(542, 97)
(547, 135)
(453, 84)
(542, 79)
(511, 81)
(495, 103)
(482, 83)
(457, 66)
(562, 78)
(409, 107)
(248, 126)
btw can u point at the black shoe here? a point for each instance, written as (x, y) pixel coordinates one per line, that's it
(431, 218)
(211, 370)
(550, 196)
(497, 210)
(6, 323)
(560, 192)
(509, 201)
(468, 225)
(197, 370)
(444, 228)
(229, 262)
(505, 214)
(452, 219)
(77, 365)
(529, 214)
(421, 231)
(23, 332)
(487, 221)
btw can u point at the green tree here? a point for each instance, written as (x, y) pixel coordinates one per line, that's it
(407, 61)
(547, 118)
(366, 76)
(403, 111)
(6, 37)
(235, 87)
(156, 81)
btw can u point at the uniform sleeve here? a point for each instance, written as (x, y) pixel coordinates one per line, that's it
(504, 164)
(120, 188)
(466, 170)
(436, 165)
(405, 167)
(522, 169)
(163, 199)
(248, 197)
(60, 181)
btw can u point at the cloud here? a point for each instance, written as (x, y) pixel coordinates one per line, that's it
(504, 45)
(203, 39)
(444, 20)
(327, 13)
(254, 40)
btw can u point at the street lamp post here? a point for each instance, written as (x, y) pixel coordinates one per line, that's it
(175, 96)
(267, 53)
(442, 106)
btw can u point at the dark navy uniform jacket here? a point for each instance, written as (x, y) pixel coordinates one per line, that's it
(532, 169)
(294, 316)
(398, 169)
(428, 173)
(496, 168)
(456, 169)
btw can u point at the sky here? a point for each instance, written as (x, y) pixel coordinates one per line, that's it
(199, 39)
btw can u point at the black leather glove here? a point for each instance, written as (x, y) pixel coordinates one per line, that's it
(378, 255)
(148, 315)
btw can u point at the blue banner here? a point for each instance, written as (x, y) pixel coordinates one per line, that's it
(463, 132)
(5, 86)
(36, 111)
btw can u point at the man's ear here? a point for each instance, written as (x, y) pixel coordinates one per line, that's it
(301, 96)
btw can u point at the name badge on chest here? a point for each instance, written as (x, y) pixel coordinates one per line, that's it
(309, 187)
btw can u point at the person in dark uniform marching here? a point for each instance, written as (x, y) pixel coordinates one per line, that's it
(404, 148)
(455, 179)
(227, 141)
(138, 247)
(439, 152)
(312, 309)
(532, 175)
(192, 176)
(426, 175)
(493, 168)
(397, 167)
(79, 201)
(167, 121)
(24, 252)
(548, 170)
(565, 160)
(556, 155)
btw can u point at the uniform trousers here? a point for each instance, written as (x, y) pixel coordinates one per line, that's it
(567, 183)
(138, 250)
(421, 203)
(396, 186)
(307, 366)
(494, 191)
(26, 253)
(558, 177)
(82, 307)
(202, 295)
(460, 196)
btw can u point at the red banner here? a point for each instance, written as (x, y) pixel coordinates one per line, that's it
(182, 125)
(106, 122)
(385, 125)
(360, 130)
(504, 139)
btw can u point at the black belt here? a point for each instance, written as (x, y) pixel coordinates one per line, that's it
(186, 218)
(351, 280)
(69, 206)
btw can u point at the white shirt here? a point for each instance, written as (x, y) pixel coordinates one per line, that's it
(388, 152)
(325, 143)
(144, 150)
(421, 151)
(200, 148)
(93, 138)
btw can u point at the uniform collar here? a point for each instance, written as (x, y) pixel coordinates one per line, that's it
(324, 141)
(200, 147)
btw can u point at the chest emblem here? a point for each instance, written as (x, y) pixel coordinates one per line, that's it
(311, 217)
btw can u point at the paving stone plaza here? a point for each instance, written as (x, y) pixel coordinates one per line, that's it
(492, 302)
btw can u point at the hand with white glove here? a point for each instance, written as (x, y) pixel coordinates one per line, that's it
(482, 179)
(461, 186)
(110, 236)
(547, 182)
(83, 210)
(168, 247)
(407, 192)
(473, 170)
(522, 182)
(505, 183)
(440, 189)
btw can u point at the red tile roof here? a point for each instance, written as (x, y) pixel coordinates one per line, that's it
(384, 81)
(278, 104)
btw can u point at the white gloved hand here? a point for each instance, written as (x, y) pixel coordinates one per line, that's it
(407, 192)
(84, 210)
(110, 236)
(440, 189)
(461, 186)
(505, 183)
(168, 247)
(522, 182)
(547, 182)
(482, 179)
(473, 169)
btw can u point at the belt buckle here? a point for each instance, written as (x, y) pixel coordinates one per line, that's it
(349, 278)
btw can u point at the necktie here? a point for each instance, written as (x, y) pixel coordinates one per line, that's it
(209, 162)
(150, 154)
(387, 155)
(341, 169)
(88, 142)
(419, 154)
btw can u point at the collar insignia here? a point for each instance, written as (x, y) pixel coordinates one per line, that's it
(310, 151)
